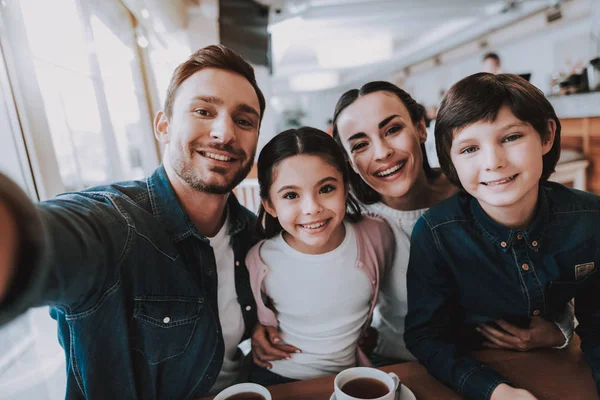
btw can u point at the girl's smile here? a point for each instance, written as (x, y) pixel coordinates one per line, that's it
(308, 197)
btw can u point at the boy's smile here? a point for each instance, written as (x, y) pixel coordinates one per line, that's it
(500, 164)
(502, 181)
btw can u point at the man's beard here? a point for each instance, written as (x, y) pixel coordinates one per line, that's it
(185, 170)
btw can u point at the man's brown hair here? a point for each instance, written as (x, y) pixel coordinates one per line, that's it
(214, 56)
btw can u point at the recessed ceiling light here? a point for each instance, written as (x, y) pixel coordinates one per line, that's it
(353, 52)
(314, 81)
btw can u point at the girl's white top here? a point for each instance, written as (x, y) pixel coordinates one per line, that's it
(325, 289)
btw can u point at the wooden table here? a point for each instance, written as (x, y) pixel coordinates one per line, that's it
(548, 374)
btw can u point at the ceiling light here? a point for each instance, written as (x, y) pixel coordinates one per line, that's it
(351, 52)
(314, 81)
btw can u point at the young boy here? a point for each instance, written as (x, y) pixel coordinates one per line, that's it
(511, 246)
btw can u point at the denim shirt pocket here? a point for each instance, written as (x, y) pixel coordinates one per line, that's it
(560, 292)
(163, 326)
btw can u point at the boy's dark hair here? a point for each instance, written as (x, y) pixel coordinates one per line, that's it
(478, 98)
(299, 141)
(214, 56)
(363, 192)
(493, 56)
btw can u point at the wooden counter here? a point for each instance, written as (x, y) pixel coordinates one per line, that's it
(548, 374)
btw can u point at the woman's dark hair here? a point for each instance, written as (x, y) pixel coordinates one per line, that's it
(363, 192)
(294, 142)
(478, 98)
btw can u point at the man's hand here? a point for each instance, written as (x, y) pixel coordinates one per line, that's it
(506, 392)
(541, 333)
(266, 346)
(9, 243)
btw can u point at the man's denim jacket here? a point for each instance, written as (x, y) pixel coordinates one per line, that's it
(133, 287)
(466, 269)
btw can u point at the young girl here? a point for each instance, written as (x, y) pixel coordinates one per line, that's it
(320, 266)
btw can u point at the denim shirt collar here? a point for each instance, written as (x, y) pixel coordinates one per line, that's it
(503, 236)
(167, 209)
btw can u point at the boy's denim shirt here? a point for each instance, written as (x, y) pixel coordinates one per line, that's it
(466, 269)
(133, 287)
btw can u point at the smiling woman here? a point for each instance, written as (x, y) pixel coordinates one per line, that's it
(382, 130)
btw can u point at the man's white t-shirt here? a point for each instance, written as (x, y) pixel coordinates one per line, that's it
(322, 303)
(230, 313)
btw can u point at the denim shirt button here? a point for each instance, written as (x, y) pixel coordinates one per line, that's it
(525, 267)
(519, 236)
(536, 313)
(534, 243)
(166, 320)
(248, 308)
(237, 263)
(503, 244)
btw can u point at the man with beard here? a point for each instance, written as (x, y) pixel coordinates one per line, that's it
(146, 279)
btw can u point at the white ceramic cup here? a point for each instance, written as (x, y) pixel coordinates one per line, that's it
(244, 388)
(391, 380)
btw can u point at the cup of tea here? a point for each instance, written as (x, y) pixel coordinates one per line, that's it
(244, 391)
(363, 383)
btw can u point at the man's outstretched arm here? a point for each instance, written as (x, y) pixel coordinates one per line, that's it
(60, 252)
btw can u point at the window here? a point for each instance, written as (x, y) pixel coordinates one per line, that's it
(87, 67)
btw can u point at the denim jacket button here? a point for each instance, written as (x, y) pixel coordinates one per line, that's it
(237, 263)
(534, 243)
(519, 236)
(248, 308)
(166, 320)
(536, 312)
(503, 244)
(525, 267)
